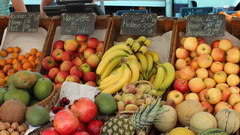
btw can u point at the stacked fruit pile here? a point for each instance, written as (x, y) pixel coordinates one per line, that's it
(73, 60)
(14, 128)
(229, 16)
(129, 62)
(16, 62)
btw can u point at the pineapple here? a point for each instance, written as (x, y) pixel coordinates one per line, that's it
(127, 125)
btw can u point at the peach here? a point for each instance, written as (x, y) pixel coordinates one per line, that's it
(190, 43)
(213, 96)
(210, 73)
(216, 66)
(182, 40)
(70, 45)
(188, 61)
(192, 96)
(225, 93)
(220, 77)
(202, 95)
(187, 73)
(182, 53)
(233, 80)
(231, 68)
(222, 105)
(219, 85)
(61, 76)
(237, 107)
(207, 107)
(203, 49)
(218, 54)
(225, 44)
(233, 55)
(209, 83)
(193, 54)
(194, 64)
(204, 61)
(202, 73)
(234, 99)
(72, 78)
(196, 85)
(234, 89)
(53, 73)
(66, 66)
(180, 63)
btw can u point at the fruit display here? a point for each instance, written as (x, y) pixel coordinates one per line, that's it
(14, 128)
(12, 61)
(230, 16)
(131, 61)
(74, 60)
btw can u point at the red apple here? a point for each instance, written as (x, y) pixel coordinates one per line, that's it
(181, 85)
(66, 66)
(94, 127)
(225, 93)
(61, 76)
(67, 56)
(50, 131)
(89, 76)
(88, 52)
(75, 70)
(81, 127)
(59, 85)
(72, 78)
(201, 40)
(202, 95)
(207, 107)
(59, 44)
(85, 67)
(53, 73)
(81, 38)
(92, 43)
(182, 53)
(83, 47)
(48, 63)
(100, 46)
(57, 54)
(218, 54)
(215, 43)
(46, 76)
(70, 45)
(93, 60)
(77, 61)
(176, 96)
(91, 83)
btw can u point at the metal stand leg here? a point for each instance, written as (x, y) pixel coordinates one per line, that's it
(168, 8)
(102, 6)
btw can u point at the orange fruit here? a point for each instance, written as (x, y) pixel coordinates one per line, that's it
(38, 54)
(16, 66)
(20, 69)
(3, 53)
(6, 68)
(222, 13)
(31, 58)
(237, 13)
(37, 61)
(9, 61)
(10, 50)
(27, 65)
(33, 64)
(16, 49)
(15, 61)
(6, 78)
(20, 57)
(33, 51)
(10, 72)
(24, 60)
(29, 69)
(14, 55)
(2, 76)
(228, 17)
(3, 62)
(2, 82)
(27, 55)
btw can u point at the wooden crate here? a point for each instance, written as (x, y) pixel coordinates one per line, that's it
(102, 22)
(180, 26)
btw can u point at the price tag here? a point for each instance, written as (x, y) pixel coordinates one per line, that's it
(139, 24)
(206, 25)
(78, 23)
(23, 22)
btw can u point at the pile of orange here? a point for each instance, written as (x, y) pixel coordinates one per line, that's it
(16, 62)
(229, 17)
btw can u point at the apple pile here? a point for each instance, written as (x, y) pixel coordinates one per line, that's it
(74, 60)
(208, 74)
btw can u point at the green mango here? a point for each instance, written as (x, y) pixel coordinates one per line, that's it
(2, 92)
(37, 115)
(43, 88)
(21, 95)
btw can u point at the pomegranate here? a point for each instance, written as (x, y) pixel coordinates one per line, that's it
(85, 109)
(81, 127)
(50, 131)
(65, 122)
(81, 133)
(94, 127)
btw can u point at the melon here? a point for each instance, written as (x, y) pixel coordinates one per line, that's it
(181, 131)
(186, 110)
(167, 121)
(228, 120)
(213, 131)
(202, 121)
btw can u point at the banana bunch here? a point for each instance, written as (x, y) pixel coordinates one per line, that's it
(140, 45)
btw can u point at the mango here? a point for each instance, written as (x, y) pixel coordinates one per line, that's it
(37, 115)
(24, 79)
(10, 80)
(38, 75)
(21, 95)
(42, 88)
(2, 92)
(106, 104)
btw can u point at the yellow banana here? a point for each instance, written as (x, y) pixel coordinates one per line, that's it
(143, 49)
(152, 78)
(105, 61)
(129, 41)
(120, 83)
(155, 56)
(141, 77)
(141, 39)
(147, 43)
(107, 83)
(160, 93)
(153, 71)
(149, 62)
(133, 65)
(143, 61)
(112, 75)
(159, 78)
(170, 74)
(139, 66)
(136, 47)
(121, 46)
(110, 67)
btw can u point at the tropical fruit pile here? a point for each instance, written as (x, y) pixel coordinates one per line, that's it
(229, 16)
(131, 61)
(12, 61)
(74, 60)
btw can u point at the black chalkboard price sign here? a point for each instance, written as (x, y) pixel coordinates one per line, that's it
(139, 24)
(23, 22)
(206, 25)
(78, 23)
